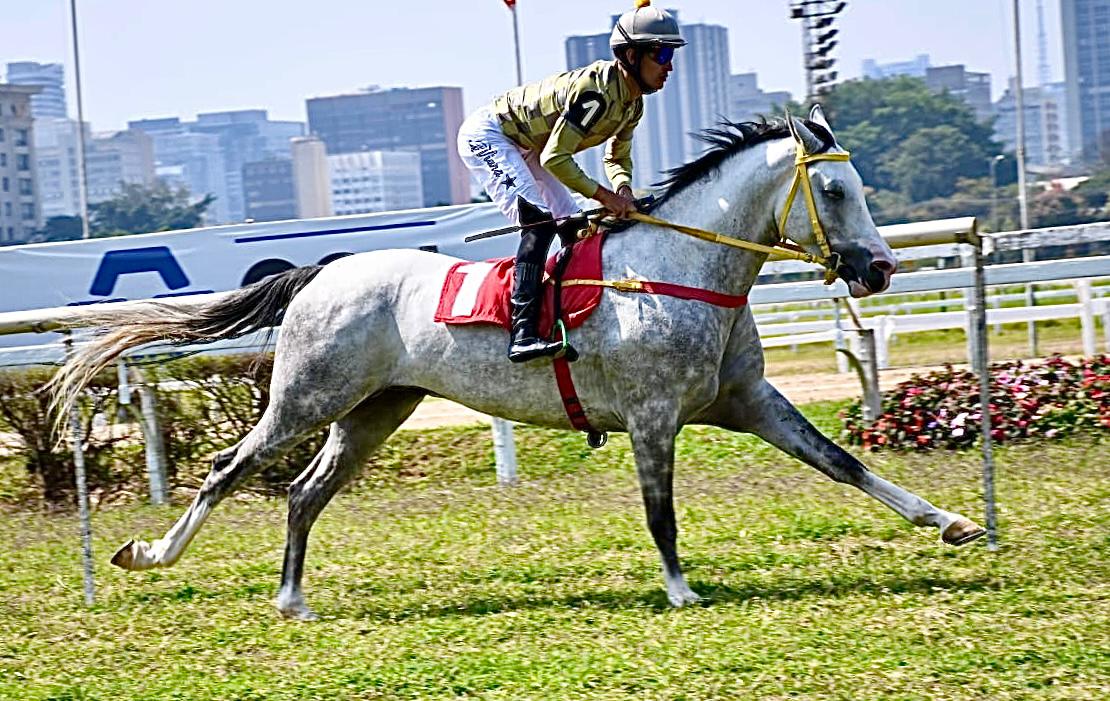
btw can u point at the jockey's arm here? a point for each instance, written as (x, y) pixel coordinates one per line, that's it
(558, 158)
(618, 155)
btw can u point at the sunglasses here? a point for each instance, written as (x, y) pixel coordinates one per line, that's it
(662, 54)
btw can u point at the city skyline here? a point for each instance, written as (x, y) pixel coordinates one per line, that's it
(173, 78)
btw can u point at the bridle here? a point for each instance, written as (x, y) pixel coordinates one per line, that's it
(784, 248)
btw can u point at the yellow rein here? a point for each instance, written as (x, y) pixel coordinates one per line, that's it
(801, 181)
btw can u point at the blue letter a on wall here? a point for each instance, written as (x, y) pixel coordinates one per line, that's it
(155, 259)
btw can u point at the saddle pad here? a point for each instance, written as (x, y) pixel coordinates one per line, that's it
(479, 293)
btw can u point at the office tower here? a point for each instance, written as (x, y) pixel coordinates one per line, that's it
(1047, 140)
(51, 102)
(311, 181)
(971, 87)
(245, 136)
(421, 120)
(1085, 25)
(915, 68)
(19, 202)
(747, 102)
(375, 181)
(269, 190)
(190, 160)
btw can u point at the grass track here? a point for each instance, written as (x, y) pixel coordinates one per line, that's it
(436, 584)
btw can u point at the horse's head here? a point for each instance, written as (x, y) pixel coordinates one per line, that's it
(844, 232)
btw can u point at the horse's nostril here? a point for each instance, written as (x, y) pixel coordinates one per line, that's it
(884, 267)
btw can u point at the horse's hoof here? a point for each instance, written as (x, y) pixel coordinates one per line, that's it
(125, 556)
(683, 598)
(962, 530)
(298, 613)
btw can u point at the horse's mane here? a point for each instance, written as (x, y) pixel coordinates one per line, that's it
(726, 139)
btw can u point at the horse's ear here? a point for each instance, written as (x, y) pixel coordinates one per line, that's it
(817, 116)
(807, 140)
(790, 126)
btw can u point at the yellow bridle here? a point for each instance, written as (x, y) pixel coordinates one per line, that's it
(781, 248)
(801, 177)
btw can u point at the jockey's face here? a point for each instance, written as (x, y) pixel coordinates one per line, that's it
(653, 72)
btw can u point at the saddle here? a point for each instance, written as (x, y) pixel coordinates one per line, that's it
(479, 293)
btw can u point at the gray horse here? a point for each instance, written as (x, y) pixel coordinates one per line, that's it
(359, 350)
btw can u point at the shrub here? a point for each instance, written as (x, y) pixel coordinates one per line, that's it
(215, 403)
(942, 409)
(25, 410)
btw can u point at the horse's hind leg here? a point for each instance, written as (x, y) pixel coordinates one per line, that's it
(351, 441)
(285, 423)
(766, 413)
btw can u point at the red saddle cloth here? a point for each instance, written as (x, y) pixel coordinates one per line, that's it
(478, 293)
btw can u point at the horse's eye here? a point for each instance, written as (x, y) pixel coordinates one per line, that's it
(834, 190)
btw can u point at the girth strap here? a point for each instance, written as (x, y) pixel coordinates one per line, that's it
(565, 381)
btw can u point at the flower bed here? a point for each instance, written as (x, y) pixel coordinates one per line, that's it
(1048, 399)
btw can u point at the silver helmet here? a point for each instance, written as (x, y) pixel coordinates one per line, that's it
(646, 26)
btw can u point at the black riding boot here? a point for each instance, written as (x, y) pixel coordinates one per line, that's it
(527, 301)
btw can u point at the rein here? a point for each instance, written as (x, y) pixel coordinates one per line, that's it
(783, 248)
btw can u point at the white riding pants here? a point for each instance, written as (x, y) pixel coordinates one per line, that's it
(507, 171)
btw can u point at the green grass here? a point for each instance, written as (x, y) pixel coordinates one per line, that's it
(434, 583)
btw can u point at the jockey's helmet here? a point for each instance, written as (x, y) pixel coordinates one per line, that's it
(645, 27)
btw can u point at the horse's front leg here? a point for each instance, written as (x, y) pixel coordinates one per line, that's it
(765, 412)
(652, 435)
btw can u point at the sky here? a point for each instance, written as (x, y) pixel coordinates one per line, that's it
(160, 58)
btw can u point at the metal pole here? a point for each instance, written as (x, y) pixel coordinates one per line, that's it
(1027, 254)
(982, 352)
(504, 445)
(82, 494)
(83, 184)
(516, 45)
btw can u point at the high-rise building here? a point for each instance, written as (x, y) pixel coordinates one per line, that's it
(423, 120)
(1047, 140)
(971, 87)
(748, 102)
(58, 170)
(117, 159)
(51, 102)
(702, 69)
(245, 136)
(190, 160)
(310, 178)
(1085, 25)
(375, 181)
(916, 68)
(19, 202)
(269, 189)
(111, 161)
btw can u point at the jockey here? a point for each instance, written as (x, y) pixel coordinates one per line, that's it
(521, 148)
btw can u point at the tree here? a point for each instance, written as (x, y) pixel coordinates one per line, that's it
(898, 125)
(139, 210)
(61, 228)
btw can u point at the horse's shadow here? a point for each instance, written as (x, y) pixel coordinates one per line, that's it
(653, 598)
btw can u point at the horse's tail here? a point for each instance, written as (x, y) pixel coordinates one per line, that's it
(240, 312)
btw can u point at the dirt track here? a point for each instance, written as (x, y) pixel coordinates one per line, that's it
(797, 388)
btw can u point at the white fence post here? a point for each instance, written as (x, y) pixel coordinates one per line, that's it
(839, 343)
(1105, 304)
(1086, 315)
(504, 451)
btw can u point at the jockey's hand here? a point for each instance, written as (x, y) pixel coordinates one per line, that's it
(620, 204)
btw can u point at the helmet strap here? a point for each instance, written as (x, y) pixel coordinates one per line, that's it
(634, 68)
